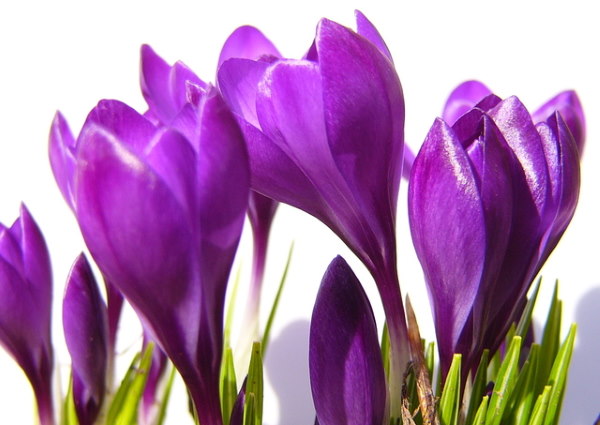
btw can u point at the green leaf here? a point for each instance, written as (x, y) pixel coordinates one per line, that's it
(250, 410)
(478, 387)
(481, 412)
(558, 377)
(124, 408)
(541, 406)
(254, 385)
(227, 385)
(505, 382)
(162, 410)
(385, 350)
(523, 397)
(525, 320)
(267, 332)
(494, 366)
(231, 309)
(550, 340)
(429, 358)
(450, 401)
(68, 414)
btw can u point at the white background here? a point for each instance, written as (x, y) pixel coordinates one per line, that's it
(68, 55)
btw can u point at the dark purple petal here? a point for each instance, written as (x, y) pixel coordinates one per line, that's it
(346, 370)
(61, 151)
(85, 323)
(567, 103)
(365, 28)
(247, 42)
(462, 99)
(449, 231)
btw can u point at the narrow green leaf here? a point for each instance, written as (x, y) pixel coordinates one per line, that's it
(250, 410)
(254, 384)
(504, 384)
(494, 366)
(479, 383)
(267, 332)
(450, 401)
(523, 397)
(550, 340)
(512, 331)
(541, 406)
(231, 309)
(119, 398)
(126, 412)
(162, 410)
(481, 412)
(525, 320)
(385, 350)
(227, 385)
(430, 358)
(68, 414)
(558, 377)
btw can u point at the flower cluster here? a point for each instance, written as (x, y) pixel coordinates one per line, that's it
(161, 198)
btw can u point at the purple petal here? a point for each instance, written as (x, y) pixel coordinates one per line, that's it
(462, 99)
(569, 106)
(365, 28)
(238, 82)
(346, 370)
(364, 108)
(85, 324)
(247, 42)
(443, 192)
(62, 159)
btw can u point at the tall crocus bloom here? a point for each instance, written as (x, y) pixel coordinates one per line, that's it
(85, 322)
(325, 134)
(468, 94)
(489, 198)
(162, 216)
(346, 368)
(26, 305)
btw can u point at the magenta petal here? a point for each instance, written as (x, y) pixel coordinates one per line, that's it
(365, 28)
(85, 323)
(247, 42)
(443, 190)
(346, 370)
(62, 157)
(463, 98)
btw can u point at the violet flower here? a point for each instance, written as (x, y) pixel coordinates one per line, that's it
(85, 322)
(26, 306)
(325, 134)
(346, 368)
(469, 93)
(489, 198)
(162, 216)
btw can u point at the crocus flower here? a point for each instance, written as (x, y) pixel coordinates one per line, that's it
(325, 134)
(469, 93)
(346, 368)
(162, 215)
(25, 306)
(85, 322)
(489, 198)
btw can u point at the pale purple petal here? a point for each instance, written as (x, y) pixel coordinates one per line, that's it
(346, 369)
(61, 151)
(365, 28)
(85, 323)
(247, 42)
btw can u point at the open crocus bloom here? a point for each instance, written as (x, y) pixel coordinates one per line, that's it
(162, 215)
(326, 134)
(489, 198)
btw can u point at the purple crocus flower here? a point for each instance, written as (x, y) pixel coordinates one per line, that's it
(162, 215)
(489, 198)
(26, 305)
(85, 322)
(468, 94)
(346, 368)
(325, 134)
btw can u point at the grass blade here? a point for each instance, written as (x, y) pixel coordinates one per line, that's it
(450, 401)
(505, 382)
(227, 385)
(479, 383)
